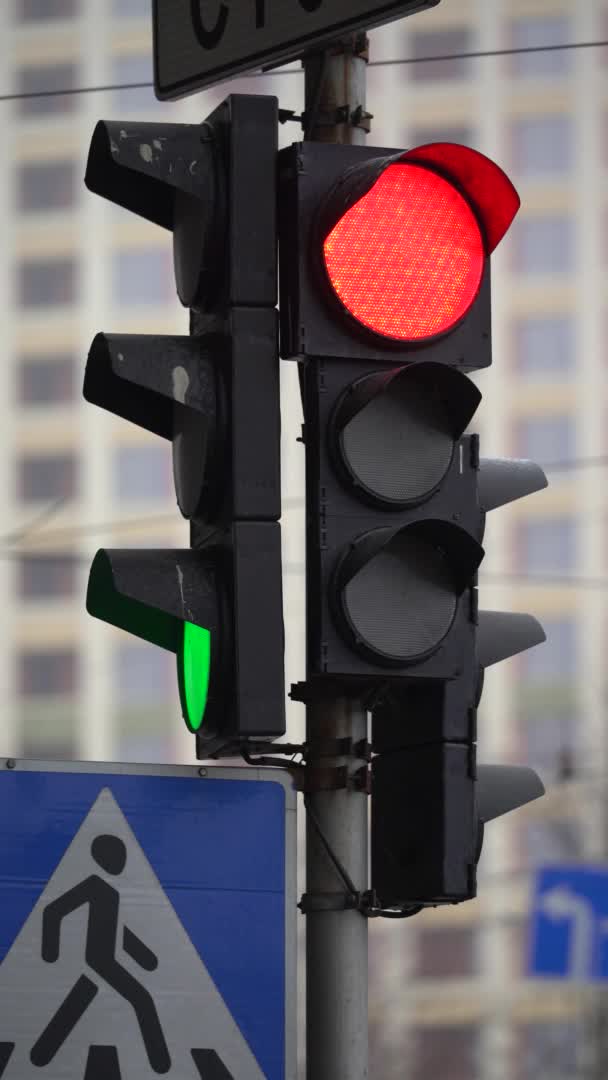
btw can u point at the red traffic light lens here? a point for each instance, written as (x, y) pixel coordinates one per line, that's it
(406, 260)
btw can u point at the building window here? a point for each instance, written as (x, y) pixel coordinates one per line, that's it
(46, 380)
(46, 282)
(39, 10)
(557, 657)
(546, 439)
(145, 684)
(544, 345)
(142, 277)
(46, 746)
(142, 675)
(47, 476)
(52, 672)
(419, 136)
(444, 43)
(543, 245)
(134, 68)
(39, 81)
(444, 1051)
(546, 545)
(546, 1047)
(542, 144)
(48, 185)
(47, 577)
(446, 952)
(526, 33)
(143, 472)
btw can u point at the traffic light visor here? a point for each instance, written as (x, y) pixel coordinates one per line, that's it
(395, 591)
(394, 433)
(406, 260)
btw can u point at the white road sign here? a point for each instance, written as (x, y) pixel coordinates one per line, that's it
(200, 42)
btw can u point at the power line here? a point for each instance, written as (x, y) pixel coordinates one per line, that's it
(21, 96)
(91, 528)
(68, 532)
(36, 522)
(481, 53)
(397, 62)
(81, 558)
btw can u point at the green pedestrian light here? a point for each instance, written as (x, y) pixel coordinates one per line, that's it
(193, 668)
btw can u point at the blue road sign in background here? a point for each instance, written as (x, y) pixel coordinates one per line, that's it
(569, 927)
(223, 850)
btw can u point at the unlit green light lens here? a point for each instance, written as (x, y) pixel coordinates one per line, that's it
(194, 659)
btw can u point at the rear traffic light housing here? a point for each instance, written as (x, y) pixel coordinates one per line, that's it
(215, 396)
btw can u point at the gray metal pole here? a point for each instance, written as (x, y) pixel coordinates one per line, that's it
(336, 941)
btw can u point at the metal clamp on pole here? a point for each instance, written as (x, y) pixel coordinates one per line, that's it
(311, 779)
(335, 91)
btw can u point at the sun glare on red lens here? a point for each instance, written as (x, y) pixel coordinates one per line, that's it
(406, 260)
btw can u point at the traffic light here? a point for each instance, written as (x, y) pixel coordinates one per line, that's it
(385, 301)
(214, 394)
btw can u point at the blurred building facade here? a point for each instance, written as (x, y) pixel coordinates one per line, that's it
(448, 993)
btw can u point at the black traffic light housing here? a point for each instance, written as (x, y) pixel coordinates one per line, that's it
(429, 807)
(215, 396)
(396, 491)
(432, 508)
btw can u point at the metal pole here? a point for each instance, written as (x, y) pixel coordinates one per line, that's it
(336, 941)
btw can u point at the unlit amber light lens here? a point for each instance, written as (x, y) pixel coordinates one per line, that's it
(406, 260)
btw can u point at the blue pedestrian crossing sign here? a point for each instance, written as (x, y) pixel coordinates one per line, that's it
(148, 922)
(569, 925)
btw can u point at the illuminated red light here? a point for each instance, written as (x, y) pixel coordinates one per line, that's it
(406, 260)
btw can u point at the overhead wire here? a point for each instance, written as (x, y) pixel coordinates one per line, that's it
(475, 54)
(292, 503)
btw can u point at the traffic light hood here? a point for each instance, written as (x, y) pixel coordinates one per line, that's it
(484, 185)
(416, 414)
(502, 634)
(502, 480)
(152, 593)
(396, 591)
(502, 788)
(142, 166)
(142, 377)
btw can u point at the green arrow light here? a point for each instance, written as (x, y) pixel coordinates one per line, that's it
(193, 664)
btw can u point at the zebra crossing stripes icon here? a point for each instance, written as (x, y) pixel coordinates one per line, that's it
(103, 982)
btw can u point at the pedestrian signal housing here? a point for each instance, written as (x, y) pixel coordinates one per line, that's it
(214, 395)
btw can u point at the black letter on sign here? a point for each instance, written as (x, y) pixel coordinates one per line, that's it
(311, 5)
(208, 38)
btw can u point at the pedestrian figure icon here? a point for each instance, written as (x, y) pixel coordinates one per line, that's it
(103, 900)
